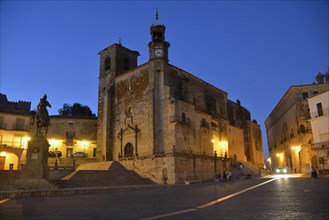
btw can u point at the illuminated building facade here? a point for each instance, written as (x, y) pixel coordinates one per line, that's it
(71, 134)
(319, 109)
(289, 131)
(66, 134)
(164, 122)
(14, 132)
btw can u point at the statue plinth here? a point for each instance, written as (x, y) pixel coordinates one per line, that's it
(37, 159)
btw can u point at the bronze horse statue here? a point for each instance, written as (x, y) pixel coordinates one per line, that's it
(41, 118)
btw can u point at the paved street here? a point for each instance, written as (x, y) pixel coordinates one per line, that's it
(266, 198)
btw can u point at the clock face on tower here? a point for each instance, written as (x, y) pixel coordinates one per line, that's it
(158, 52)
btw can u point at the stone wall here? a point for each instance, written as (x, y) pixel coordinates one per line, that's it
(133, 108)
(177, 167)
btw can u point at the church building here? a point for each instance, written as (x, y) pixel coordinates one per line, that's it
(165, 123)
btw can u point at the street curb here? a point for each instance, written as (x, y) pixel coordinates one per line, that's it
(75, 191)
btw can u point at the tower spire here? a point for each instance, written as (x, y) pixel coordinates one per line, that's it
(156, 14)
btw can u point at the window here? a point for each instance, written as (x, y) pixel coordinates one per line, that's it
(70, 123)
(320, 110)
(157, 36)
(125, 64)
(70, 135)
(2, 122)
(20, 124)
(292, 134)
(315, 92)
(305, 95)
(183, 117)
(107, 63)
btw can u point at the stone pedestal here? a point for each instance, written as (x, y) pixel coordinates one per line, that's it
(37, 159)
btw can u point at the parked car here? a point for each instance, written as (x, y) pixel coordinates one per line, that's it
(55, 154)
(281, 170)
(79, 154)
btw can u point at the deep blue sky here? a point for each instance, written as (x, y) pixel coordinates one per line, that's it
(254, 50)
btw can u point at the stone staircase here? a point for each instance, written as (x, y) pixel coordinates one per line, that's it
(102, 174)
(29, 184)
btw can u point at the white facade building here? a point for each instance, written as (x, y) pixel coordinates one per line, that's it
(319, 109)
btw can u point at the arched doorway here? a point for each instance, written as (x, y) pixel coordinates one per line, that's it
(129, 150)
(8, 161)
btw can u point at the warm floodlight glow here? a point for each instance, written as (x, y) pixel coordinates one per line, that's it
(53, 142)
(279, 154)
(84, 143)
(296, 148)
(25, 141)
(3, 154)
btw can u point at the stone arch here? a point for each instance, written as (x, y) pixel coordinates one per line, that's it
(129, 150)
(8, 160)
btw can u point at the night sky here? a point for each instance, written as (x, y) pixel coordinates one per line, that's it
(253, 50)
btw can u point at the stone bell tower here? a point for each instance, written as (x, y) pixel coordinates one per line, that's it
(158, 64)
(114, 61)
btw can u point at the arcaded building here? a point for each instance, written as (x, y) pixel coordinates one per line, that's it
(166, 123)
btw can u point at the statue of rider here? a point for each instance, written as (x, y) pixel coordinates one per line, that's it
(42, 110)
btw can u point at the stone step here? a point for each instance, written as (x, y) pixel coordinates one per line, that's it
(115, 175)
(95, 166)
(30, 184)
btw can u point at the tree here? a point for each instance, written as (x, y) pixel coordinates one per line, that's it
(76, 109)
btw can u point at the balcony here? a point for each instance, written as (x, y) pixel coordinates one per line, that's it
(205, 124)
(20, 127)
(320, 146)
(320, 113)
(180, 119)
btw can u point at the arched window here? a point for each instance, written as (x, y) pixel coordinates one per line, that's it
(107, 63)
(302, 129)
(129, 150)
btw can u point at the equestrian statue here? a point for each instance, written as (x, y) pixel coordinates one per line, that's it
(41, 117)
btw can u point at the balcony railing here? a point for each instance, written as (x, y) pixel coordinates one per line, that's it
(180, 119)
(316, 114)
(205, 124)
(320, 146)
(20, 127)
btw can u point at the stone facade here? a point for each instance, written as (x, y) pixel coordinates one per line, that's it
(71, 134)
(166, 120)
(289, 132)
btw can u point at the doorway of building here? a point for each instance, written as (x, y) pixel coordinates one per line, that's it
(2, 162)
(129, 150)
(69, 151)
